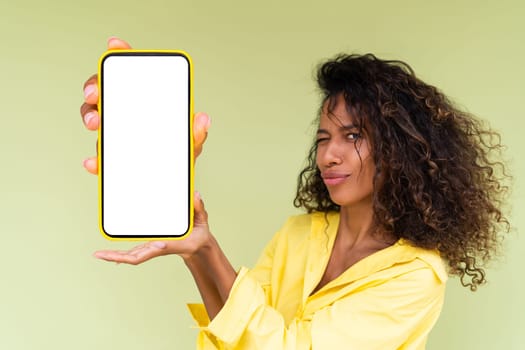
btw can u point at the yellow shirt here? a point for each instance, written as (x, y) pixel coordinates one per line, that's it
(389, 300)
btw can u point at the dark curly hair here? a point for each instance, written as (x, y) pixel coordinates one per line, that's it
(439, 181)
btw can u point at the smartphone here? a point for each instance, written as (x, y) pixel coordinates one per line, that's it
(145, 148)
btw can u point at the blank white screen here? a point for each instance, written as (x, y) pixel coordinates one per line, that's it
(145, 154)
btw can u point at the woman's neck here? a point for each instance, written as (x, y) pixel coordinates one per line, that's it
(356, 224)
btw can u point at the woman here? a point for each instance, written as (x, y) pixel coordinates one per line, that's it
(400, 190)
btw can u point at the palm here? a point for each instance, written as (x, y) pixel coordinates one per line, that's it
(183, 247)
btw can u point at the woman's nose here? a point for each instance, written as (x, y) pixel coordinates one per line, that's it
(332, 154)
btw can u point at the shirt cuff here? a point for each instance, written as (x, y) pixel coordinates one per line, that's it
(199, 314)
(246, 295)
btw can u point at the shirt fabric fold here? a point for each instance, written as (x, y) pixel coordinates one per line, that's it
(389, 300)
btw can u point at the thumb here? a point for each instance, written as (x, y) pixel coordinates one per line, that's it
(200, 214)
(115, 43)
(201, 124)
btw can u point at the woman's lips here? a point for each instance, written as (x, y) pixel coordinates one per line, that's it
(334, 179)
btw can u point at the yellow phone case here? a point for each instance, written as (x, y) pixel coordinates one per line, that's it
(133, 52)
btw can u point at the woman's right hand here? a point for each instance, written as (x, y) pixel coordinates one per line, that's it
(91, 117)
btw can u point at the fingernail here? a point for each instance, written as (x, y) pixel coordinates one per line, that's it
(160, 245)
(90, 89)
(111, 38)
(205, 120)
(84, 163)
(88, 117)
(198, 195)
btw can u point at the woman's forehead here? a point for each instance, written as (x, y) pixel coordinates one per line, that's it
(336, 111)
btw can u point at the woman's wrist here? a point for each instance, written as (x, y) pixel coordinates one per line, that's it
(209, 259)
(200, 250)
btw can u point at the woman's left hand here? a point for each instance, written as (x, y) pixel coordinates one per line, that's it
(199, 238)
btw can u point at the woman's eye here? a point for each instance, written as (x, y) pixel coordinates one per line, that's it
(318, 141)
(353, 136)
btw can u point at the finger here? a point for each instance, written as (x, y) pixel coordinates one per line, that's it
(136, 251)
(91, 90)
(91, 85)
(119, 257)
(115, 43)
(135, 256)
(90, 116)
(152, 248)
(91, 165)
(201, 124)
(148, 253)
(200, 214)
(125, 256)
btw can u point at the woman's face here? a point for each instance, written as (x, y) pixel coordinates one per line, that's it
(344, 157)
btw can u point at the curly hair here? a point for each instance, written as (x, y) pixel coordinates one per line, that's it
(439, 182)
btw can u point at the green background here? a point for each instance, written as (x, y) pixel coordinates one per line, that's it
(254, 63)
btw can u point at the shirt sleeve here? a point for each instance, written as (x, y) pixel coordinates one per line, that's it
(397, 314)
(260, 273)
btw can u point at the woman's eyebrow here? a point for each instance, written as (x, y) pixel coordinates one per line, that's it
(348, 127)
(342, 128)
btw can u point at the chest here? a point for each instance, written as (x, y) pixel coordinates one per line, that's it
(300, 272)
(341, 260)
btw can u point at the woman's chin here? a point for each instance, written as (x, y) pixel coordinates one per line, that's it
(349, 202)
